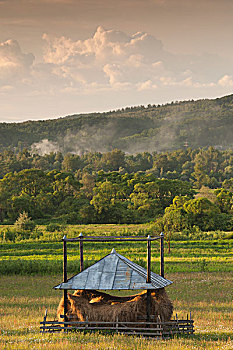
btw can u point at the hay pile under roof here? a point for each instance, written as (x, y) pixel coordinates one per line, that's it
(98, 306)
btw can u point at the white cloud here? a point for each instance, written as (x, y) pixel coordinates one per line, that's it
(108, 57)
(113, 59)
(226, 81)
(146, 85)
(13, 63)
(45, 147)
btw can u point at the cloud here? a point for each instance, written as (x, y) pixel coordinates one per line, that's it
(108, 60)
(109, 57)
(113, 59)
(226, 81)
(13, 63)
(146, 85)
(110, 69)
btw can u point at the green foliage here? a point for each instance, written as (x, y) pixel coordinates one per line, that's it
(13, 234)
(105, 198)
(203, 167)
(8, 235)
(52, 227)
(225, 200)
(186, 214)
(202, 213)
(84, 193)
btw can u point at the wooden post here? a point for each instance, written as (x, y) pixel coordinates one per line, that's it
(117, 324)
(65, 277)
(44, 322)
(148, 279)
(162, 254)
(81, 251)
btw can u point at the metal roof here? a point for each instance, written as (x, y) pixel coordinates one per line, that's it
(114, 271)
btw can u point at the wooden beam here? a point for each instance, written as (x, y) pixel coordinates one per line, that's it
(162, 254)
(65, 276)
(110, 239)
(81, 251)
(148, 279)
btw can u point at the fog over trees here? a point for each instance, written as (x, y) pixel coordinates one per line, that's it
(194, 124)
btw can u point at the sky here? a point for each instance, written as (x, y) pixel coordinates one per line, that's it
(62, 57)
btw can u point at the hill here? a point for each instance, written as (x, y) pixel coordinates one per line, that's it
(176, 125)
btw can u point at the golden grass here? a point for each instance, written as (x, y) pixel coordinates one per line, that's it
(207, 295)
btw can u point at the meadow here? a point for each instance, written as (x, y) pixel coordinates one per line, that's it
(201, 270)
(208, 296)
(44, 257)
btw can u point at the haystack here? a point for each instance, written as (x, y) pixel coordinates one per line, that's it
(99, 306)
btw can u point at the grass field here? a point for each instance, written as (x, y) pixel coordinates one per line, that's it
(208, 296)
(46, 257)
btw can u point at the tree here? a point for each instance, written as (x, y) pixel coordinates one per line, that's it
(107, 201)
(224, 200)
(112, 161)
(72, 162)
(202, 213)
(207, 167)
(175, 219)
(88, 183)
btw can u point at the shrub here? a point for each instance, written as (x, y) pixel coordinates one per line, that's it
(24, 223)
(8, 235)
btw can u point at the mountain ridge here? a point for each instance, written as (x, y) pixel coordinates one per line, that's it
(200, 123)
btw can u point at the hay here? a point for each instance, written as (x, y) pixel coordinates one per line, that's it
(99, 306)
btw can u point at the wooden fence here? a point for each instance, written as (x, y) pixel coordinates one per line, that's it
(156, 329)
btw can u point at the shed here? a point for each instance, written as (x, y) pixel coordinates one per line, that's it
(147, 313)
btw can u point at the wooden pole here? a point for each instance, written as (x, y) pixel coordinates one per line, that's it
(65, 277)
(148, 279)
(81, 251)
(162, 254)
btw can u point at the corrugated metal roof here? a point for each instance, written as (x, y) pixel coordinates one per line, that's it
(114, 271)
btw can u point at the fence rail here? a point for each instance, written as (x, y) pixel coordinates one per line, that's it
(155, 329)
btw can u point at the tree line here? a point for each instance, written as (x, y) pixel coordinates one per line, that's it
(201, 167)
(112, 197)
(105, 198)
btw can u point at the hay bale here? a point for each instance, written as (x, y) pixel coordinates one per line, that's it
(99, 306)
(165, 306)
(103, 297)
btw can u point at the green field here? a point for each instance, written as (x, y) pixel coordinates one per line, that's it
(44, 257)
(200, 269)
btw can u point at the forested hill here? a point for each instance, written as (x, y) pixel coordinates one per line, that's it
(194, 124)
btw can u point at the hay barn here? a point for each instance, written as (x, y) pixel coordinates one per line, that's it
(115, 272)
(89, 308)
